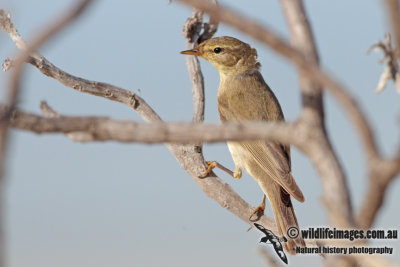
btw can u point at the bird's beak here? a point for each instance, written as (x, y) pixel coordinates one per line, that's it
(193, 52)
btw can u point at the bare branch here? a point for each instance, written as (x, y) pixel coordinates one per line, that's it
(391, 70)
(189, 157)
(101, 89)
(303, 40)
(82, 136)
(82, 85)
(392, 7)
(300, 31)
(191, 31)
(7, 64)
(209, 28)
(7, 26)
(382, 173)
(312, 71)
(86, 129)
(271, 39)
(42, 38)
(335, 187)
(105, 129)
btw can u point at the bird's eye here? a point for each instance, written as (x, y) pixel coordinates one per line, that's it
(217, 50)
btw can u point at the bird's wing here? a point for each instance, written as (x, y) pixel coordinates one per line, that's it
(235, 104)
(274, 159)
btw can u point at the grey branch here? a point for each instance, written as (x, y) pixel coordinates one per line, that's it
(106, 129)
(189, 157)
(313, 71)
(48, 112)
(29, 50)
(310, 69)
(192, 31)
(334, 182)
(82, 85)
(393, 9)
(381, 171)
(210, 27)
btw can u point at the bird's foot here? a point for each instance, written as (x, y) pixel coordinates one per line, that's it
(259, 211)
(213, 164)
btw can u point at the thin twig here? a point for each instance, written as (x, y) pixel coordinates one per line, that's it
(391, 70)
(392, 7)
(188, 156)
(190, 161)
(82, 85)
(383, 171)
(209, 28)
(77, 136)
(310, 69)
(268, 37)
(192, 30)
(40, 40)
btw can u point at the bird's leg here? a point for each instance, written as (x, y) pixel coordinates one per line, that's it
(260, 209)
(237, 173)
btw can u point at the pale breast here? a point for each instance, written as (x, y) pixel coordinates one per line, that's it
(239, 155)
(247, 97)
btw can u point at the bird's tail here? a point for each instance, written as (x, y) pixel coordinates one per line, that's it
(285, 217)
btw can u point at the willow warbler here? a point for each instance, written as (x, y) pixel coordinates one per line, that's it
(243, 95)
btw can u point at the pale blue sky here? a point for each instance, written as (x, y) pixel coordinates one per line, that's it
(111, 204)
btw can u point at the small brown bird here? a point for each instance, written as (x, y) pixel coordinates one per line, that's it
(243, 95)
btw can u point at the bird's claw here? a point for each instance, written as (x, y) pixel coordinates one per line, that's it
(211, 166)
(259, 210)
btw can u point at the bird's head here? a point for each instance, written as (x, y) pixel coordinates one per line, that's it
(227, 54)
